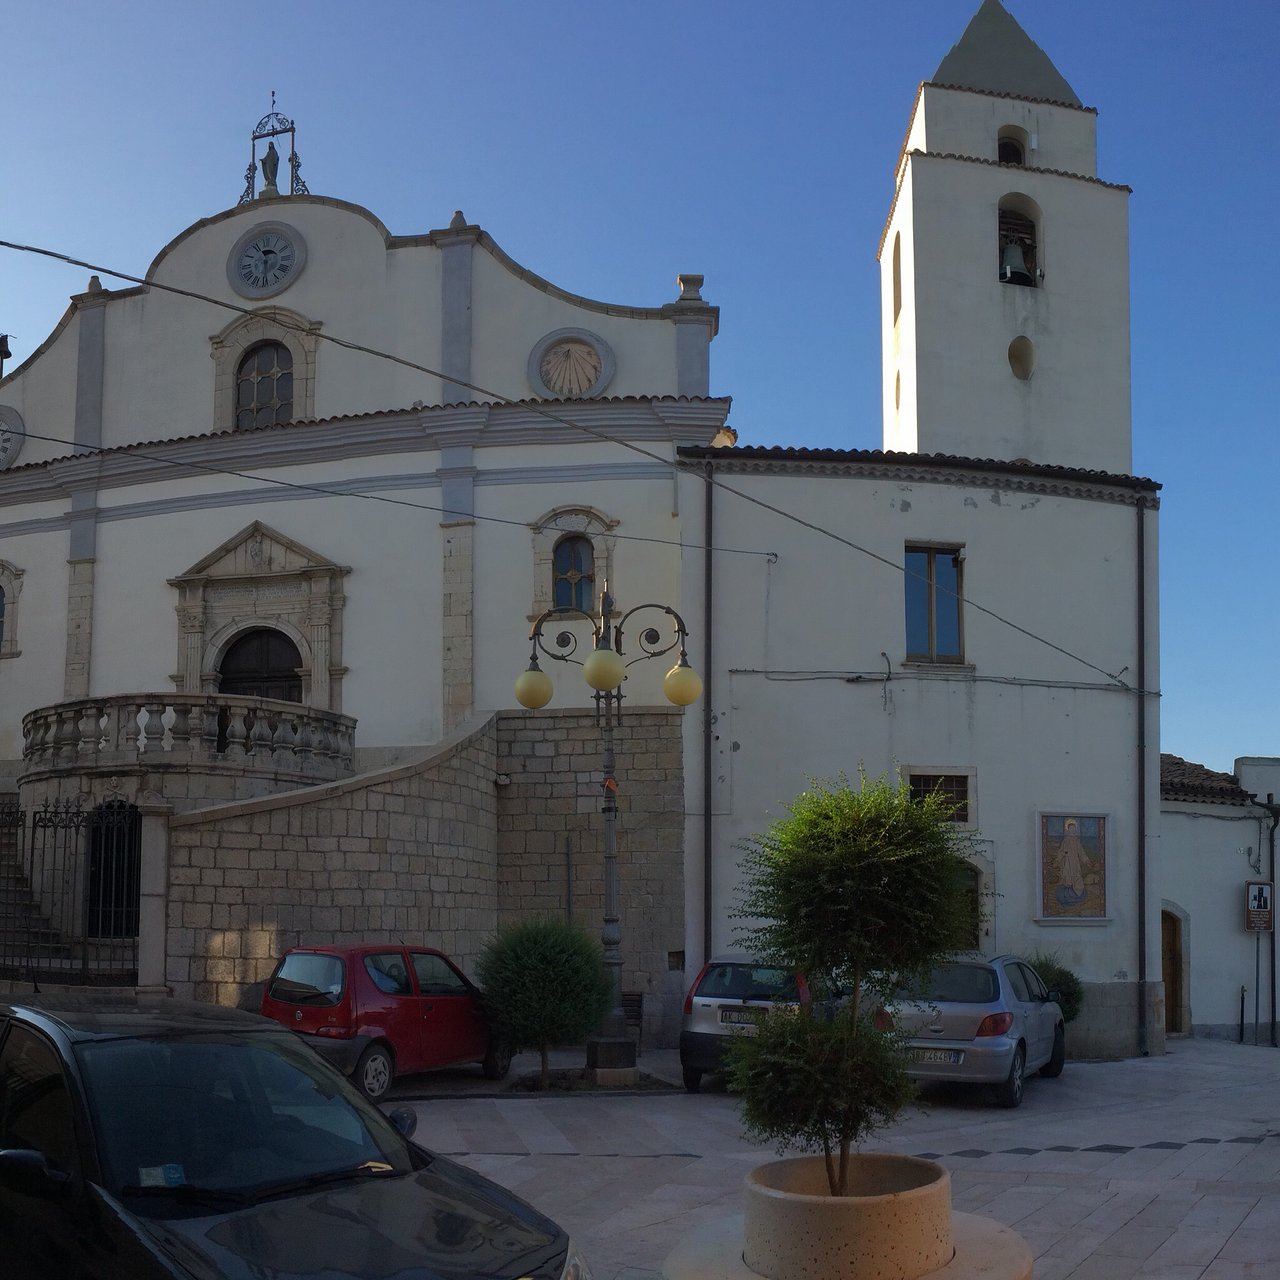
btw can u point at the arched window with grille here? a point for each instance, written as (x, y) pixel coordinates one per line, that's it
(573, 573)
(264, 386)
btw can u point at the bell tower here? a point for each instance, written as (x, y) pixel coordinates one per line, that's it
(1004, 267)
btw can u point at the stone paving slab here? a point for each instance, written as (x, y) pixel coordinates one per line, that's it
(1162, 1168)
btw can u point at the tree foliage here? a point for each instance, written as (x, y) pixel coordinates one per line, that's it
(862, 891)
(1057, 977)
(861, 888)
(545, 983)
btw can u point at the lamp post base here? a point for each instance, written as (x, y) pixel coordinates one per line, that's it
(613, 1060)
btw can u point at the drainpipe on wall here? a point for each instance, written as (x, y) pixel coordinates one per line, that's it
(707, 715)
(1273, 811)
(1144, 1047)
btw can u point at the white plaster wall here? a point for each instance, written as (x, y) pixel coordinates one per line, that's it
(43, 391)
(1207, 852)
(804, 647)
(1075, 409)
(160, 376)
(35, 677)
(958, 122)
(642, 572)
(898, 339)
(509, 316)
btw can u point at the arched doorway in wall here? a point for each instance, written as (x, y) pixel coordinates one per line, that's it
(262, 663)
(1173, 972)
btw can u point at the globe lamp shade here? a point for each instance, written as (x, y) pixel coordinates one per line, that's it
(604, 669)
(682, 685)
(533, 688)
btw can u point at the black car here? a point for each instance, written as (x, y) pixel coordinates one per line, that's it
(144, 1137)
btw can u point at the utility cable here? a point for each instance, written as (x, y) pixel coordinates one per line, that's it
(560, 419)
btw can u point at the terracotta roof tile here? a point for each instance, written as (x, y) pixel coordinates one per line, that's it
(1190, 782)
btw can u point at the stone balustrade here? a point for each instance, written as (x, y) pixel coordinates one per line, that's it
(207, 732)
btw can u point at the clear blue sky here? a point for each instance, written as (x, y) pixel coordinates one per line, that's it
(609, 145)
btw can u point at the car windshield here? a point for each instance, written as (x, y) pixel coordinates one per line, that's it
(956, 984)
(748, 982)
(235, 1112)
(308, 977)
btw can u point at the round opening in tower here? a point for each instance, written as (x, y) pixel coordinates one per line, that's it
(1022, 358)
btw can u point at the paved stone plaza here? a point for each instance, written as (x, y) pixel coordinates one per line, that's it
(1156, 1168)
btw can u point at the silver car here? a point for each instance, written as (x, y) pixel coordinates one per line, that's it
(724, 1001)
(982, 1022)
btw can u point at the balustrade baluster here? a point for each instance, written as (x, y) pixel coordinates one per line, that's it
(152, 737)
(237, 732)
(129, 716)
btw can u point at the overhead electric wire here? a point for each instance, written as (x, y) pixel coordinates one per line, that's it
(530, 406)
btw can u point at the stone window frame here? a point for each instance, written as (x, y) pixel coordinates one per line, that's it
(266, 324)
(547, 531)
(11, 585)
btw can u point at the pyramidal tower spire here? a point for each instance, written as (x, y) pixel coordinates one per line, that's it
(1005, 266)
(995, 55)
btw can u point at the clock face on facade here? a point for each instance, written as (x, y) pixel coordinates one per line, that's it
(266, 260)
(571, 364)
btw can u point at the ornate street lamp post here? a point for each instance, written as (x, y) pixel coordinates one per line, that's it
(604, 669)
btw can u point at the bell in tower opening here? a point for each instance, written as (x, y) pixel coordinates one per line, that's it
(1013, 265)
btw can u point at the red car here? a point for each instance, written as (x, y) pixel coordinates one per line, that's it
(378, 1010)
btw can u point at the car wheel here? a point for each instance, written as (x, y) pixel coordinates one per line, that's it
(1009, 1094)
(497, 1062)
(1053, 1067)
(374, 1072)
(692, 1079)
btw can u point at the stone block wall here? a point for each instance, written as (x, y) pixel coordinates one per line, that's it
(551, 836)
(405, 852)
(1107, 1025)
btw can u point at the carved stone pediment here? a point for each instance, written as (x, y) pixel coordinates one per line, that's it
(254, 552)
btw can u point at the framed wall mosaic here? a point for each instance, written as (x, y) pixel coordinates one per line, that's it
(1073, 866)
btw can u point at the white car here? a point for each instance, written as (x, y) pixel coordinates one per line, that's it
(981, 1021)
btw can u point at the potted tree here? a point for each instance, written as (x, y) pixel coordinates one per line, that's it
(860, 889)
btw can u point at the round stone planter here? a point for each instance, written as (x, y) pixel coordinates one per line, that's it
(896, 1224)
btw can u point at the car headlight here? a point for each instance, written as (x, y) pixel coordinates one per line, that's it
(575, 1268)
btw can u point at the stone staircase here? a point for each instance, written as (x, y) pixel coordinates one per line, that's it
(32, 948)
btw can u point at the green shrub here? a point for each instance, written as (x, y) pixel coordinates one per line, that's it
(545, 983)
(1057, 977)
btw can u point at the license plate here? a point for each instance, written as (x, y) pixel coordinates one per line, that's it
(742, 1017)
(951, 1056)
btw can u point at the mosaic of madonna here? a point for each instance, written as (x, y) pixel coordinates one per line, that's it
(1073, 866)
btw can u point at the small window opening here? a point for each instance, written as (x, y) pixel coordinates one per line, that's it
(264, 386)
(1011, 152)
(573, 574)
(934, 582)
(1022, 358)
(952, 787)
(897, 276)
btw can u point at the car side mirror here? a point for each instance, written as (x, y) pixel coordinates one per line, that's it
(405, 1121)
(30, 1173)
(1055, 997)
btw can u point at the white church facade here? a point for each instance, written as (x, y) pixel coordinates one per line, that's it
(266, 590)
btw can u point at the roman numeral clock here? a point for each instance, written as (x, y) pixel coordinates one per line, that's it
(266, 260)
